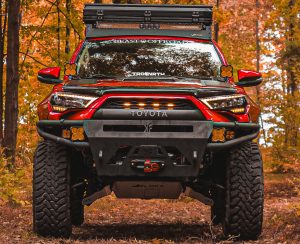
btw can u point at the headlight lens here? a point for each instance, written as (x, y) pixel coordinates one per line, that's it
(61, 101)
(234, 103)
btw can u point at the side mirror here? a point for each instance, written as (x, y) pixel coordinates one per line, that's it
(49, 75)
(248, 78)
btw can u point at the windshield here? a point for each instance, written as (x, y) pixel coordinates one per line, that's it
(148, 58)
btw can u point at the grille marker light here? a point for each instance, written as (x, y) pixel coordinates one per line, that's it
(170, 106)
(155, 105)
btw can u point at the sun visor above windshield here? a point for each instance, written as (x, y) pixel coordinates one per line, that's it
(193, 21)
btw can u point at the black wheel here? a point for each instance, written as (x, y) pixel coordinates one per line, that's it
(51, 191)
(244, 193)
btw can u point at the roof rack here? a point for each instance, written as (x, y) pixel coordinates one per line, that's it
(138, 19)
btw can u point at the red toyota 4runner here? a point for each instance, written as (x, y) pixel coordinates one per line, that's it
(148, 109)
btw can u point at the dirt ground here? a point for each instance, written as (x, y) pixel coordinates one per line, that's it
(112, 220)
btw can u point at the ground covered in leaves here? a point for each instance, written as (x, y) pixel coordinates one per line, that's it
(112, 220)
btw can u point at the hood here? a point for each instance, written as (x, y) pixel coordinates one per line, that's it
(199, 88)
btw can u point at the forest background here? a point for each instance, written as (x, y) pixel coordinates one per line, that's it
(262, 35)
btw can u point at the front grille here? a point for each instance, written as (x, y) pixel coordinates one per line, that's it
(149, 104)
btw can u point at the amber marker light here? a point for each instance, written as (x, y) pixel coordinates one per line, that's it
(127, 104)
(238, 110)
(59, 109)
(226, 71)
(230, 135)
(142, 104)
(77, 134)
(170, 105)
(156, 105)
(218, 135)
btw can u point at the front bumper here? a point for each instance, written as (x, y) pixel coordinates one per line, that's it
(251, 130)
(191, 138)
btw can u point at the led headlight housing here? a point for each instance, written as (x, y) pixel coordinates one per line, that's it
(61, 101)
(234, 103)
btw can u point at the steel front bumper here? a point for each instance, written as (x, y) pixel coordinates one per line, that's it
(44, 126)
(105, 137)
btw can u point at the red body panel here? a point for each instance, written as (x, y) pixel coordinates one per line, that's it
(75, 54)
(244, 74)
(53, 72)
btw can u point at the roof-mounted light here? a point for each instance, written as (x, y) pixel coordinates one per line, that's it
(150, 26)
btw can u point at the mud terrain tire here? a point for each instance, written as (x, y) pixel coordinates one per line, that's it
(51, 191)
(244, 193)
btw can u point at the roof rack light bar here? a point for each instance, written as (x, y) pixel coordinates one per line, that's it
(184, 14)
(103, 19)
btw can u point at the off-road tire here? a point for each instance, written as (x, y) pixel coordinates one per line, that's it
(51, 191)
(244, 193)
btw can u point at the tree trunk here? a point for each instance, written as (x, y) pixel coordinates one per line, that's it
(292, 58)
(216, 26)
(12, 80)
(58, 32)
(291, 51)
(68, 8)
(257, 42)
(2, 41)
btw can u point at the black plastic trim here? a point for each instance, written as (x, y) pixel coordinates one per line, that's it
(49, 80)
(132, 114)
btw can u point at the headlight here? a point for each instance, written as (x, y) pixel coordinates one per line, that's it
(233, 103)
(61, 101)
